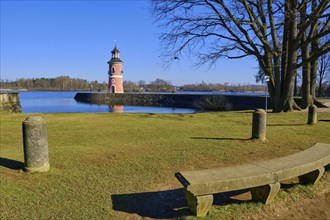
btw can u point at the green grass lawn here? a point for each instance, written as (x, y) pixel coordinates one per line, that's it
(111, 166)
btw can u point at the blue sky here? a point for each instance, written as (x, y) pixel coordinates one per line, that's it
(75, 38)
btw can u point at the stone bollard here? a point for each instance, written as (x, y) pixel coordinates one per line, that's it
(312, 114)
(35, 145)
(259, 124)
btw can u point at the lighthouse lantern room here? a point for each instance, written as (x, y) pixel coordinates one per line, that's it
(115, 73)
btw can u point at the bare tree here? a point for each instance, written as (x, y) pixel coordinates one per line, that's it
(323, 72)
(160, 85)
(141, 83)
(310, 67)
(274, 32)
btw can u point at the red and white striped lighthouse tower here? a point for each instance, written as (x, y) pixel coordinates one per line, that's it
(115, 73)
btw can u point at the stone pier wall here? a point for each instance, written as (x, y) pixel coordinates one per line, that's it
(170, 100)
(9, 102)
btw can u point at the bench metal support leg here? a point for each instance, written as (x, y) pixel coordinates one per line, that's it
(312, 177)
(265, 193)
(199, 205)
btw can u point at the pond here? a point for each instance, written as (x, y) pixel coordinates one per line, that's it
(63, 101)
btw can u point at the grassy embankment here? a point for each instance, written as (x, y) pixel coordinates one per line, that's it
(104, 165)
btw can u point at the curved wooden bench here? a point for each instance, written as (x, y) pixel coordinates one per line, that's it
(262, 178)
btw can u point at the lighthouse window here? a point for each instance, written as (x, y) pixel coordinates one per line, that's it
(113, 70)
(113, 81)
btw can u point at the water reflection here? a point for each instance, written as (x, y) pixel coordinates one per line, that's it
(148, 109)
(116, 108)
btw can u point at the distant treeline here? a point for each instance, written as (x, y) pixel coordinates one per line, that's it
(224, 87)
(158, 85)
(58, 83)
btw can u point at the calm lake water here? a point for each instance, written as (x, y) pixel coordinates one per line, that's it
(63, 101)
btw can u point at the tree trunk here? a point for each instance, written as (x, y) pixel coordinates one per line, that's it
(314, 64)
(295, 92)
(306, 98)
(289, 60)
(320, 78)
(314, 68)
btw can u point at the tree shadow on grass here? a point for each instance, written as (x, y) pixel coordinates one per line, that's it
(166, 204)
(245, 112)
(11, 164)
(220, 139)
(324, 120)
(284, 125)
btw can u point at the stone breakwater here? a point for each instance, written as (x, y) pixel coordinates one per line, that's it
(236, 102)
(9, 102)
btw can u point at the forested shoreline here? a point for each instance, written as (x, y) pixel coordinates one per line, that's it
(58, 83)
(65, 83)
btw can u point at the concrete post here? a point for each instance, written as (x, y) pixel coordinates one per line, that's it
(35, 145)
(259, 124)
(312, 114)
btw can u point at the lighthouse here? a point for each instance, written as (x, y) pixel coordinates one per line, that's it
(115, 73)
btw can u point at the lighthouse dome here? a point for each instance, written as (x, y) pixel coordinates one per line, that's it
(115, 56)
